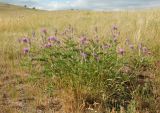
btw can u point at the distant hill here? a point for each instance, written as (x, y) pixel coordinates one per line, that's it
(10, 7)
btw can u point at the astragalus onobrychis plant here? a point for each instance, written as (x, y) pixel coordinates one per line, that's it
(110, 70)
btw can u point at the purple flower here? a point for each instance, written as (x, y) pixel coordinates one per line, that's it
(52, 38)
(26, 50)
(25, 40)
(43, 30)
(48, 45)
(83, 40)
(121, 51)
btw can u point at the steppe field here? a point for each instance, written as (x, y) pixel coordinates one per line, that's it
(75, 61)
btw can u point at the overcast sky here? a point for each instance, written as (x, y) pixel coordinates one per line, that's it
(86, 4)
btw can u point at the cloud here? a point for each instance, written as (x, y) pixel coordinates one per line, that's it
(102, 4)
(113, 4)
(87, 4)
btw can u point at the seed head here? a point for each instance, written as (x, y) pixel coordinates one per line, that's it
(115, 27)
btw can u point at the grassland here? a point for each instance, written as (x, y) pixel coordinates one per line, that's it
(24, 91)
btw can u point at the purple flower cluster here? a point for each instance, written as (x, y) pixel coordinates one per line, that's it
(115, 33)
(25, 40)
(128, 43)
(85, 42)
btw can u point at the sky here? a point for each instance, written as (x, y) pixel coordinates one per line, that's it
(86, 4)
